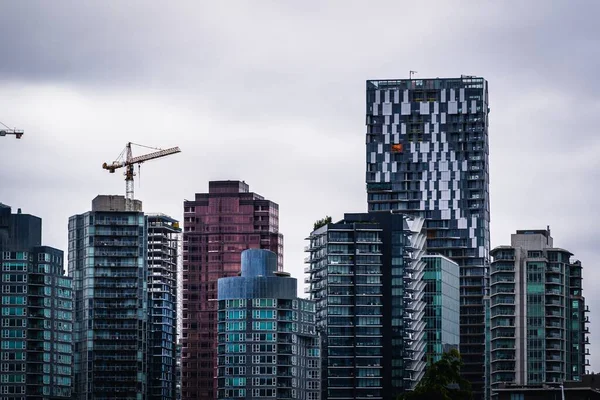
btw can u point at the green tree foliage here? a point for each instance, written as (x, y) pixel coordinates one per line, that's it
(321, 222)
(442, 381)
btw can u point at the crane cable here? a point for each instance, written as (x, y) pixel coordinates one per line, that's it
(7, 127)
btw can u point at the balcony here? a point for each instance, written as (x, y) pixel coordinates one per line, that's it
(115, 243)
(113, 253)
(554, 336)
(110, 221)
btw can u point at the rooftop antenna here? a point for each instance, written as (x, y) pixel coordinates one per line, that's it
(411, 73)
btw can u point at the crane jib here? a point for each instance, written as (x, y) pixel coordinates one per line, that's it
(151, 156)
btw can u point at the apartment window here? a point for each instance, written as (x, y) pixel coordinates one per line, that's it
(263, 314)
(264, 302)
(264, 325)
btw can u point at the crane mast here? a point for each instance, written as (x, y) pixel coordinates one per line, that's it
(129, 162)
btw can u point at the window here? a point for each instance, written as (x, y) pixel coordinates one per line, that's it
(264, 325)
(264, 314)
(235, 348)
(264, 348)
(236, 303)
(236, 314)
(236, 381)
(264, 303)
(235, 326)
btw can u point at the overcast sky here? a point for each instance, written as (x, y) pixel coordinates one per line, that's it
(272, 92)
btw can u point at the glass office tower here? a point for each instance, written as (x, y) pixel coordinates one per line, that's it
(365, 274)
(107, 260)
(267, 343)
(36, 352)
(538, 312)
(427, 155)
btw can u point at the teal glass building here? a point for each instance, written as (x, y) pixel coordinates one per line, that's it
(268, 346)
(36, 352)
(442, 310)
(538, 312)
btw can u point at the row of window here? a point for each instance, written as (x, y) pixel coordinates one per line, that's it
(265, 359)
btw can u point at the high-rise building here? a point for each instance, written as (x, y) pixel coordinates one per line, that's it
(107, 260)
(365, 274)
(442, 306)
(218, 226)
(538, 321)
(36, 352)
(267, 342)
(427, 154)
(163, 245)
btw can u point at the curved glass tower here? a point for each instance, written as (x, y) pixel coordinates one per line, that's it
(267, 341)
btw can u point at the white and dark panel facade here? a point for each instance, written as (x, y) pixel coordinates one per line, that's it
(427, 154)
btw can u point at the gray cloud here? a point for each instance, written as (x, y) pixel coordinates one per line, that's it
(272, 92)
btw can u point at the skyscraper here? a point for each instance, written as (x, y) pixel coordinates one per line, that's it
(36, 352)
(107, 260)
(218, 226)
(538, 321)
(163, 245)
(427, 154)
(366, 277)
(267, 344)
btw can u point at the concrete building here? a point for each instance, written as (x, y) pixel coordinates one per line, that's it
(365, 274)
(442, 308)
(218, 226)
(427, 155)
(107, 260)
(163, 245)
(538, 313)
(267, 343)
(36, 352)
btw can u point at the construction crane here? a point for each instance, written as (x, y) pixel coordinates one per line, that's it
(9, 131)
(126, 160)
(15, 132)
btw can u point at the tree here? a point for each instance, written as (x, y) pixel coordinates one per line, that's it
(442, 381)
(321, 222)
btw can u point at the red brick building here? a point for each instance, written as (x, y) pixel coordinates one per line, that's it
(218, 226)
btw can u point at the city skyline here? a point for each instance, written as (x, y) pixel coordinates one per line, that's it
(305, 101)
